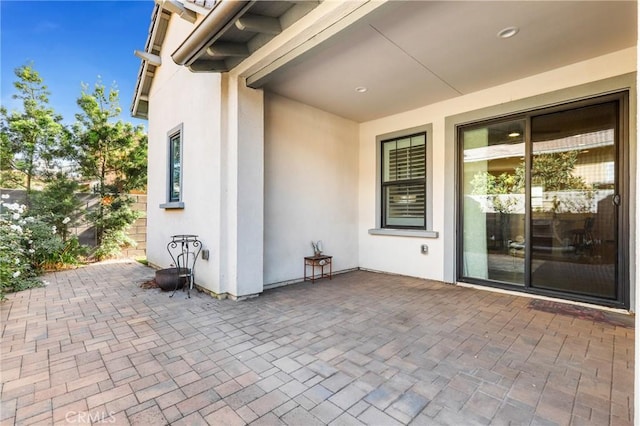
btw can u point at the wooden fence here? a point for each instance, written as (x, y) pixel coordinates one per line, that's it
(87, 234)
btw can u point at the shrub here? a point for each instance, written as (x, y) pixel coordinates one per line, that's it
(16, 271)
(112, 242)
(112, 217)
(48, 249)
(29, 245)
(57, 204)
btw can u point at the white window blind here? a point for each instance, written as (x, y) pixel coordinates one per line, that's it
(404, 182)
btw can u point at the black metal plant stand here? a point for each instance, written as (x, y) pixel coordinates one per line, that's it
(184, 251)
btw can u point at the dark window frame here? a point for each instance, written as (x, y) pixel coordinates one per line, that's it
(174, 201)
(404, 183)
(174, 196)
(622, 96)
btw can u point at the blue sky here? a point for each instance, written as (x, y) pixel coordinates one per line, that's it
(73, 42)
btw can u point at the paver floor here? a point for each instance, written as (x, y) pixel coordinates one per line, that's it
(363, 348)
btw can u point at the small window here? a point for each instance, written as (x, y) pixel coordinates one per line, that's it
(404, 182)
(175, 166)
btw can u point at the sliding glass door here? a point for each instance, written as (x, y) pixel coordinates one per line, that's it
(573, 206)
(493, 204)
(540, 204)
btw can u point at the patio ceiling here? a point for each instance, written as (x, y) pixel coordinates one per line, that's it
(384, 57)
(415, 53)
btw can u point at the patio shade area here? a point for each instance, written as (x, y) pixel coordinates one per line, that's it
(362, 348)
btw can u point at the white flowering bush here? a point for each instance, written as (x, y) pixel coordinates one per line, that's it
(16, 270)
(30, 245)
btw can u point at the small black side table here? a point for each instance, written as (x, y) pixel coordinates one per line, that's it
(322, 261)
(184, 251)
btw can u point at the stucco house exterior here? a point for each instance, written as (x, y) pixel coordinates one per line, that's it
(490, 144)
(414, 138)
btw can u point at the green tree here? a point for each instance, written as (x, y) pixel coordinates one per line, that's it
(554, 172)
(9, 178)
(57, 204)
(114, 154)
(34, 138)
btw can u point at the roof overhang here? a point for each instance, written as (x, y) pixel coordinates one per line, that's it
(159, 22)
(233, 30)
(216, 23)
(230, 32)
(150, 56)
(326, 50)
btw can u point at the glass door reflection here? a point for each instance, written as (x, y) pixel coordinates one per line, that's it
(493, 202)
(573, 216)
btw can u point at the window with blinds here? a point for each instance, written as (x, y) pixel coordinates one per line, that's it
(404, 182)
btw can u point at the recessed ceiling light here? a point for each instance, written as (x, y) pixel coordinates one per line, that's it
(508, 32)
(514, 134)
(361, 89)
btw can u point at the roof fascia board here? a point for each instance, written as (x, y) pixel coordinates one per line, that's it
(156, 15)
(326, 20)
(138, 95)
(221, 16)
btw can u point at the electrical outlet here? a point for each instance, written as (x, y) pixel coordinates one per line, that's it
(424, 249)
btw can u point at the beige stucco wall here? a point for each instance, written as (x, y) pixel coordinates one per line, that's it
(402, 255)
(311, 188)
(319, 173)
(177, 97)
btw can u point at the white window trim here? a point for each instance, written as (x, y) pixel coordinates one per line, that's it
(179, 204)
(428, 232)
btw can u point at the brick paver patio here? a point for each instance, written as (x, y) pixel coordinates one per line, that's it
(363, 348)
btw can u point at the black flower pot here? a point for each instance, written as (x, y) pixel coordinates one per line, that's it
(171, 278)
